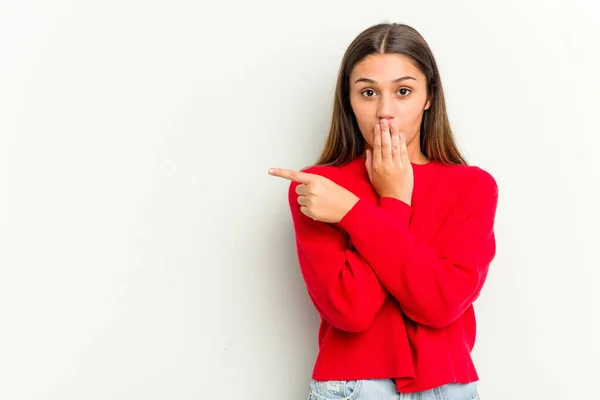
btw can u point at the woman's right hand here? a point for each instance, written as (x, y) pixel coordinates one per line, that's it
(320, 198)
(388, 165)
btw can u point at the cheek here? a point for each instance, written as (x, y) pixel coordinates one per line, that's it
(366, 121)
(366, 126)
(411, 111)
(363, 120)
(411, 117)
(413, 121)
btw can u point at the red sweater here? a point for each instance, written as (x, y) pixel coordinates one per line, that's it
(394, 284)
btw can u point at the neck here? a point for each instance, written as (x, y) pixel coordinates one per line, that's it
(415, 155)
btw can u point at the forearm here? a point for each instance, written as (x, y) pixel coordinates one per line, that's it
(341, 284)
(431, 289)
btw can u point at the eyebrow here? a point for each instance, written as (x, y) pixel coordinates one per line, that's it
(404, 78)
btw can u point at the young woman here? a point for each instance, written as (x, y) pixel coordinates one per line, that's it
(394, 231)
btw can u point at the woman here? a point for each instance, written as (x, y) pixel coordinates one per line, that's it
(394, 231)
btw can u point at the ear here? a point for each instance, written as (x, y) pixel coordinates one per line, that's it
(428, 104)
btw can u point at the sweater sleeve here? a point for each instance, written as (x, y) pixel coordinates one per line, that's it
(433, 288)
(341, 285)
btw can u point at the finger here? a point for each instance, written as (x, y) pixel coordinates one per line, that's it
(403, 150)
(302, 200)
(395, 137)
(306, 211)
(377, 145)
(302, 189)
(386, 141)
(296, 176)
(394, 127)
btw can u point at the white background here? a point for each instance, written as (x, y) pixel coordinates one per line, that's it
(147, 254)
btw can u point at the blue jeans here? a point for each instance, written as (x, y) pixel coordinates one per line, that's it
(385, 389)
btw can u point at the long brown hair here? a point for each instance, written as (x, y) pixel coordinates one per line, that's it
(345, 142)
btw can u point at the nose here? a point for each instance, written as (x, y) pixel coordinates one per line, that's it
(384, 108)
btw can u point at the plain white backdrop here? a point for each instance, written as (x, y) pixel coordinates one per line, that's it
(145, 251)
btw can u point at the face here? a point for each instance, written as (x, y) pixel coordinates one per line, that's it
(389, 86)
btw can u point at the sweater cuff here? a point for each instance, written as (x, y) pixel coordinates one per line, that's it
(397, 209)
(363, 216)
(355, 217)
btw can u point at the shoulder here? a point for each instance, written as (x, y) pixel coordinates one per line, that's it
(480, 181)
(327, 171)
(466, 187)
(472, 179)
(480, 191)
(319, 169)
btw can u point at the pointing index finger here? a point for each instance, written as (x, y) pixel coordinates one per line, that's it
(296, 176)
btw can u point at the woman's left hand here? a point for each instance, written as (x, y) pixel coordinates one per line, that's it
(388, 165)
(320, 198)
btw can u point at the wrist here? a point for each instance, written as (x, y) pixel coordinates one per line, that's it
(348, 204)
(403, 198)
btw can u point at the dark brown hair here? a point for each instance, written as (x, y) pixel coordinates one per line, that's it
(345, 142)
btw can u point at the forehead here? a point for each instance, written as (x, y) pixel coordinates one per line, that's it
(385, 67)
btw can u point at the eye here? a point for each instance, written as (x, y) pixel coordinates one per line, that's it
(368, 92)
(403, 91)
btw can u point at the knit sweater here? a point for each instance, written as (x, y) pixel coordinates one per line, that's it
(394, 284)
